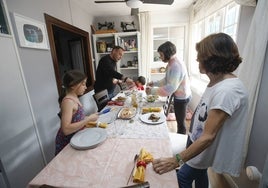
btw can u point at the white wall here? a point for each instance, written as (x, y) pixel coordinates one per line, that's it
(37, 67)
(169, 18)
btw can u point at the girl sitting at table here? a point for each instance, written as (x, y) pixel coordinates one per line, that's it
(72, 114)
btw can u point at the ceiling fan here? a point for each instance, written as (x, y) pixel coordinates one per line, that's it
(136, 4)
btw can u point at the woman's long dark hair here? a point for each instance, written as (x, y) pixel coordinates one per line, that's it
(70, 78)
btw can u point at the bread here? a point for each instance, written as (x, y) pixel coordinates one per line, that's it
(96, 124)
(102, 125)
(151, 109)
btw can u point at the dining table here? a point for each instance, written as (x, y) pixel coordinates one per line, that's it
(110, 163)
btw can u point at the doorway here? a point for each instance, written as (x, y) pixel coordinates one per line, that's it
(70, 49)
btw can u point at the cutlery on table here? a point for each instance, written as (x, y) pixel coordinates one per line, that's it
(106, 110)
(139, 185)
(131, 173)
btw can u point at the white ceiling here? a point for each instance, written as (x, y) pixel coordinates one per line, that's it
(121, 9)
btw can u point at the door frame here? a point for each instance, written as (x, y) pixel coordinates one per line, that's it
(88, 65)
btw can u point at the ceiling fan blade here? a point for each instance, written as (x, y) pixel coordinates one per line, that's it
(134, 11)
(110, 1)
(161, 2)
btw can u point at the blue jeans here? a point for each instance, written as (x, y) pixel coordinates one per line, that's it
(186, 175)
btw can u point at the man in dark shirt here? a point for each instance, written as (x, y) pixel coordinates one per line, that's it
(106, 75)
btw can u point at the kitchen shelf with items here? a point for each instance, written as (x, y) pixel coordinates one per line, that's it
(129, 64)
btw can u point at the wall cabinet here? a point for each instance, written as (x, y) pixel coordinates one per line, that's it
(130, 64)
(174, 34)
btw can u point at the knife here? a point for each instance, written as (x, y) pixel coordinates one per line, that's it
(105, 111)
(131, 173)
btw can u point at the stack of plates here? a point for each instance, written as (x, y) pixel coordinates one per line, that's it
(88, 138)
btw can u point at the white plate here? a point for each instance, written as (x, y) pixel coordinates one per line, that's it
(107, 118)
(144, 118)
(88, 138)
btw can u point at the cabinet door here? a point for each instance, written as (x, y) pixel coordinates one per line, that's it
(20, 154)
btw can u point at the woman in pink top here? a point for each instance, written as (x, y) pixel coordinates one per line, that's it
(175, 82)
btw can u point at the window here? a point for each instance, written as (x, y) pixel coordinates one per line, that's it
(174, 34)
(225, 19)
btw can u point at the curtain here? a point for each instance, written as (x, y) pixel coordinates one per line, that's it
(146, 44)
(250, 71)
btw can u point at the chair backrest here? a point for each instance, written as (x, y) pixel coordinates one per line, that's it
(168, 103)
(101, 98)
(123, 86)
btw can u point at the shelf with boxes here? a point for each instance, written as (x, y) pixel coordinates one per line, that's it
(129, 65)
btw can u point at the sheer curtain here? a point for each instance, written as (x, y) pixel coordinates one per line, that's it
(146, 43)
(250, 71)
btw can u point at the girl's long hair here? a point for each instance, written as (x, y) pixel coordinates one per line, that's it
(70, 79)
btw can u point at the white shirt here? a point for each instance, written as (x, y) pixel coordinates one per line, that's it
(227, 152)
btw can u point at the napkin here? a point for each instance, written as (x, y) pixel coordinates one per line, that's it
(139, 172)
(151, 109)
(96, 124)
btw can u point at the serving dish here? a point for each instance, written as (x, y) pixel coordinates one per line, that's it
(145, 118)
(127, 113)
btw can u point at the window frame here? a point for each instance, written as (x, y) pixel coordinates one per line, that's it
(204, 27)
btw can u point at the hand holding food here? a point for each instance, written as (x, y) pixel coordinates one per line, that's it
(92, 117)
(148, 90)
(151, 84)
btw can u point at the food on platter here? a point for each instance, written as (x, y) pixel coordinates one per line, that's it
(96, 124)
(151, 98)
(151, 109)
(117, 103)
(102, 125)
(127, 113)
(153, 118)
(120, 99)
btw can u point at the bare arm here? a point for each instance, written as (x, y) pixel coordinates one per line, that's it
(67, 109)
(214, 122)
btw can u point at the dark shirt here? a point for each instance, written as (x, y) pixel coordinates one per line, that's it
(105, 73)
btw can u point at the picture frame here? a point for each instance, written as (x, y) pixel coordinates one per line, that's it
(31, 33)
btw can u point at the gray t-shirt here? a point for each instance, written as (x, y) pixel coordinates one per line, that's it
(228, 150)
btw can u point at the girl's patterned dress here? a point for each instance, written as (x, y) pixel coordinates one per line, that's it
(61, 139)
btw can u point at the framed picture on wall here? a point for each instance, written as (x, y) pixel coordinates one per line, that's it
(31, 33)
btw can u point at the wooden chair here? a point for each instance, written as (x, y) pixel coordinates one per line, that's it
(101, 98)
